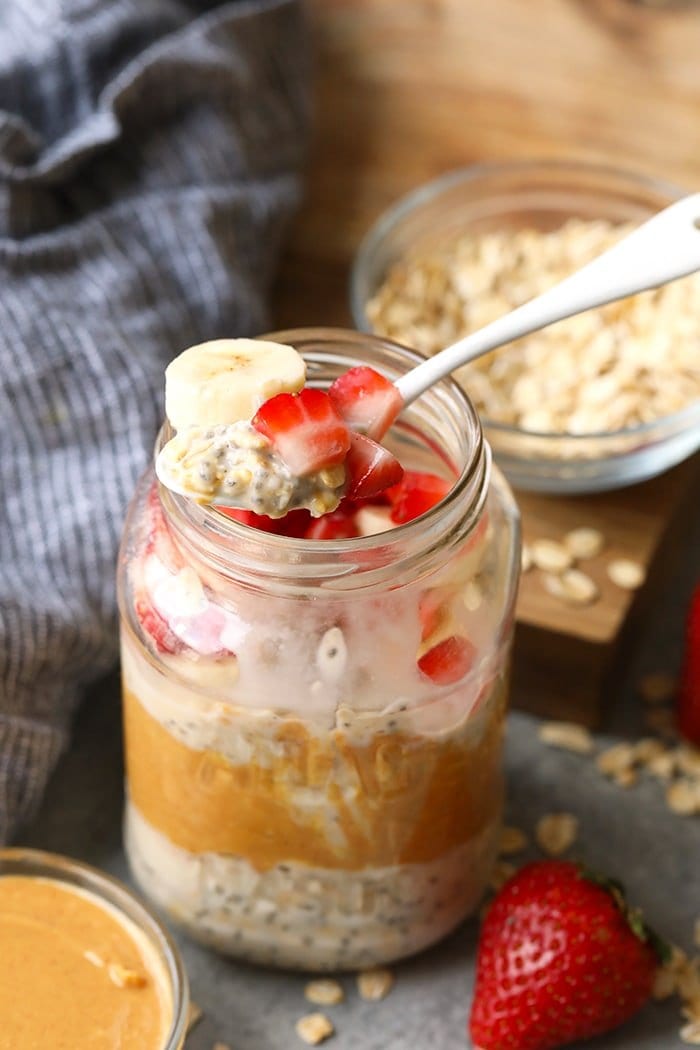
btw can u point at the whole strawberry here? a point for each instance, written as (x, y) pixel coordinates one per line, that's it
(560, 958)
(689, 690)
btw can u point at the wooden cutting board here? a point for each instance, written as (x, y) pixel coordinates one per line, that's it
(406, 91)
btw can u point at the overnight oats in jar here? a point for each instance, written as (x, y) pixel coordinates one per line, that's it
(314, 709)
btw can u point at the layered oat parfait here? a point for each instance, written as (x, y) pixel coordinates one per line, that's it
(314, 699)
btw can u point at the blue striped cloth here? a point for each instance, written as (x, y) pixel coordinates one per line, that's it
(149, 160)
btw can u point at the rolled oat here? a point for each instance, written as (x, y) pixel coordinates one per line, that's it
(556, 832)
(314, 1028)
(626, 574)
(584, 542)
(616, 759)
(567, 735)
(572, 586)
(324, 992)
(682, 797)
(551, 556)
(375, 984)
(690, 1033)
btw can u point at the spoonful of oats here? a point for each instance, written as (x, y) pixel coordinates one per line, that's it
(251, 436)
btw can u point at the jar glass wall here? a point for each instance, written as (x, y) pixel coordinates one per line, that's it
(321, 787)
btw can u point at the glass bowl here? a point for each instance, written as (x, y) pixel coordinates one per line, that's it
(39, 864)
(541, 195)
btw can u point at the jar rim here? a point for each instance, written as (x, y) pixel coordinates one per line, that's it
(461, 506)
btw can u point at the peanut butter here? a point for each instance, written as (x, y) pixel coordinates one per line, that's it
(396, 799)
(75, 975)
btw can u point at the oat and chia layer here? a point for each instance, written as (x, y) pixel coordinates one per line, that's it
(234, 464)
(330, 918)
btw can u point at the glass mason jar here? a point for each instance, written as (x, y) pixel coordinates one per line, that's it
(314, 728)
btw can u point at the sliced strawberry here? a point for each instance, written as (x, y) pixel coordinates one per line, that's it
(295, 523)
(367, 401)
(431, 611)
(338, 525)
(305, 429)
(448, 661)
(158, 539)
(153, 623)
(416, 493)
(370, 468)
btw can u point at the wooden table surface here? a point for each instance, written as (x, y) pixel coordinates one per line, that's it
(409, 89)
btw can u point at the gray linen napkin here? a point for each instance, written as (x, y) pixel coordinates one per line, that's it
(149, 159)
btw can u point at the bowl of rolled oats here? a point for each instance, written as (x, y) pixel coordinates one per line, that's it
(595, 402)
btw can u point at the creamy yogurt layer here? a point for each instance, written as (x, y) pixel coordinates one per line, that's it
(234, 464)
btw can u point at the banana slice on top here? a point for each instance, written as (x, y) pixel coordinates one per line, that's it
(227, 380)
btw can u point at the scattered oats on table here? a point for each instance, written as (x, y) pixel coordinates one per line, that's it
(572, 586)
(526, 561)
(551, 556)
(690, 1033)
(375, 984)
(556, 832)
(314, 1028)
(567, 735)
(584, 542)
(513, 840)
(221, 1046)
(683, 797)
(616, 759)
(627, 574)
(648, 749)
(324, 992)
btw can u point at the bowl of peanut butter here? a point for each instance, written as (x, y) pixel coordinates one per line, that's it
(85, 965)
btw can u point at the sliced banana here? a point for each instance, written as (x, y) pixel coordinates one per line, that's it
(226, 380)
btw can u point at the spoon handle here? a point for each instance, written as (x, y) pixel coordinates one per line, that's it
(664, 248)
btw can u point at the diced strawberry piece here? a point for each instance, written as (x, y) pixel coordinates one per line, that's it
(338, 525)
(431, 611)
(689, 689)
(448, 661)
(305, 430)
(153, 624)
(416, 493)
(370, 468)
(295, 523)
(367, 401)
(158, 539)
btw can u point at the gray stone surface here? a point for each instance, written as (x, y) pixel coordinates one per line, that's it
(629, 834)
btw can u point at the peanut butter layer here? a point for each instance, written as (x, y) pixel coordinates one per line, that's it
(323, 801)
(73, 976)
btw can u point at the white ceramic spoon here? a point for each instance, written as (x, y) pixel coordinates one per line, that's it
(663, 249)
